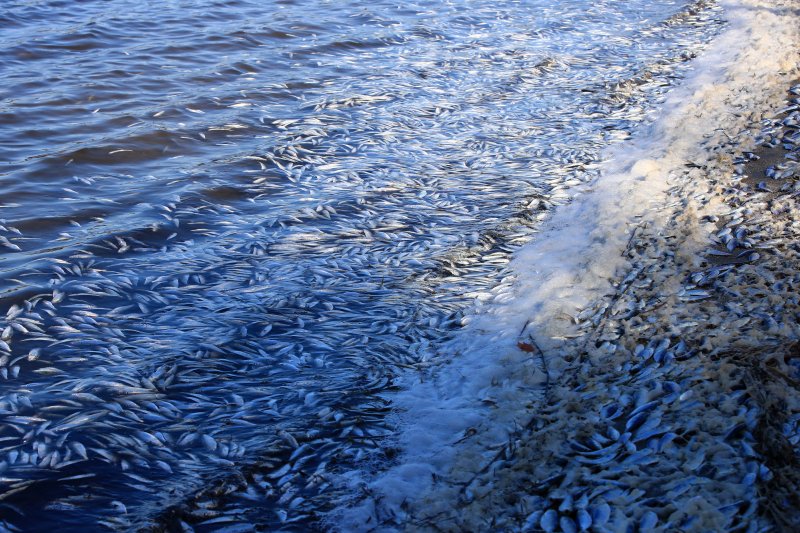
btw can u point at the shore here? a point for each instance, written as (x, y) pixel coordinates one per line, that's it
(669, 399)
(678, 407)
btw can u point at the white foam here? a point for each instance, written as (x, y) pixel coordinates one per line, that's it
(571, 262)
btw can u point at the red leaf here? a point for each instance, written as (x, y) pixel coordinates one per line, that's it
(525, 347)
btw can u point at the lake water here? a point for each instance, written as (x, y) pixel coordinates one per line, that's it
(226, 227)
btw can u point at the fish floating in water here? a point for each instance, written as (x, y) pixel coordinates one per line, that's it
(216, 351)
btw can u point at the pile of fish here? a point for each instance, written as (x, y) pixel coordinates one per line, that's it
(218, 359)
(677, 408)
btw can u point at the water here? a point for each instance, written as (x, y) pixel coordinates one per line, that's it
(226, 227)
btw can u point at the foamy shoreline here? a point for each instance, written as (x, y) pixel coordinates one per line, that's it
(632, 317)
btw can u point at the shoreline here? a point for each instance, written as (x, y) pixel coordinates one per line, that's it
(641, 408)
(710, 374)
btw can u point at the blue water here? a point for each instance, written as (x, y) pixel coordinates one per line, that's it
(226, 227)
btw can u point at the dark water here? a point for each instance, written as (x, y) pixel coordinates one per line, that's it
(225, 227)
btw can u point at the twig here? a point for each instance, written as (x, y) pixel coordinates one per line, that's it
(508, 449)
